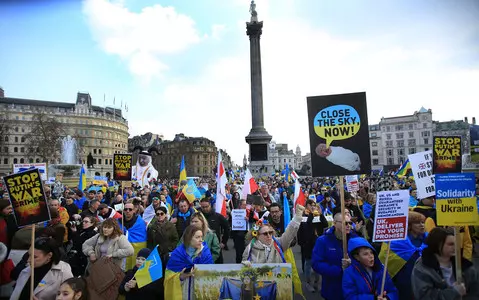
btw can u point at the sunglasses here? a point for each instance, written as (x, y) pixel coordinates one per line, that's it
(128, 209)
(160, 214)
(267, 233)
(346, 223)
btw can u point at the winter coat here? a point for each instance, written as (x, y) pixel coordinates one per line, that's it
(358, 284)
(77, 259)
(219, 225)
(309, 230)
(326, 260)
(428, 283)
(164, 235)
(119, 248)
(256, 253)
(48, 287)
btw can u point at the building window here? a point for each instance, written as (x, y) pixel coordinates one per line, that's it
(15, 161)
(16, 139)
(411, 126)
(400, 143)
(399, 135)
(22, 139)
(389, 143)
(111, 161)
(426, 149)
(5, 161)
(16, 129)
(401, 151)
(22, 150)
(374, 144)
(388, 136)
(388, 128)
(374, 135)
(99, 151)
(22, 161)
(94, 151)
(375, 162)
(30, 160)
(412, 150)
(426, 141)
(426, 133)
(6, 139)
(390, 161)
(15, 150)
(23, 129)
(375, 152)
(411, 134)
(399, 127)
(390, 152)
(411, 142)
(37, 160)
(94, 161)
(401, 160)
(424, 125)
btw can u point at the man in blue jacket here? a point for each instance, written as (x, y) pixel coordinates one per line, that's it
(327, 258)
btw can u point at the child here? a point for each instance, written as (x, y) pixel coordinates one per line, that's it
(363, 278)
(73, 289)
(129, 288)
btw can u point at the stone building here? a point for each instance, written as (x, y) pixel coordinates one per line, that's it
(101, 131)
(145, 141)
(404, 135)
(457, 128)
(279, 155)
(377, 155)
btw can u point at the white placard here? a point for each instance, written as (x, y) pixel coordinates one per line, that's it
(421, 165)
(390, 223)
(238, 221)
(352, 183)
(42, 167)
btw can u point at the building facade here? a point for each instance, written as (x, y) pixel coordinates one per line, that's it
(99, 131)
(279, 155)
(144, 141)
(455, 128)
(377, 153)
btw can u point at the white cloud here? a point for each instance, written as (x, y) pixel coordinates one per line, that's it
(300, 60)
(217, 30)
(141, 39)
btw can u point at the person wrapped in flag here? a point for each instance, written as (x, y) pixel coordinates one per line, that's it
(180, 267)
(264, 247)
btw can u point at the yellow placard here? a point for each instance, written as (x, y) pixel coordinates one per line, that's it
(457, 212)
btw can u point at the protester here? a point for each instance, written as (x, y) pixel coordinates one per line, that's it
(363, 278)
(209, 237)
(434, 275)
(73, 289)
(77, 259)
(49, 272)
(162, 233)
(180, 268)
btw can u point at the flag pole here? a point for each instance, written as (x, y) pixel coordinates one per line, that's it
(343, 221)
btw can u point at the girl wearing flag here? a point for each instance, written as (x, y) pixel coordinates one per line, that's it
(180, 268)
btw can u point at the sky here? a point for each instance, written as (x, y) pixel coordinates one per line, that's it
(182, 66)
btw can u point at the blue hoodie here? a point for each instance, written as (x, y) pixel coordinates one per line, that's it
(326, 260)
(358, 284)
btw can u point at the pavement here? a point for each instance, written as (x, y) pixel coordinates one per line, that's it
(229, 258)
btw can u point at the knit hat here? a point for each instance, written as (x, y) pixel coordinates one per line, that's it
(145, 252)
(4, 203)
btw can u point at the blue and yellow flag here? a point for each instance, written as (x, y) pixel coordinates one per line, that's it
(82, 181)
(182, 169)
(151, 270)
(286, 211)
(403, 169)
(191, 192)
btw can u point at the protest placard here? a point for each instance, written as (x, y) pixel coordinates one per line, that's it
(27, 197)
(474, 136)
(421, 165)
(100, 180)
(236, 281)
(238, 221)
(339, 135)
(390, 223)
(352, 183)
(122, 167)
(447, 154)
(42, 167)
(456, 202)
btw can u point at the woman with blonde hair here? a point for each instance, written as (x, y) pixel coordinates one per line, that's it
(109, 242)
(209, 236)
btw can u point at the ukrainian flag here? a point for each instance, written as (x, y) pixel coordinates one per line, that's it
(404, 168)
(137, 237)
(182, 169)
(399, 254)
(191, 192)
(82, 181)
(151, 270)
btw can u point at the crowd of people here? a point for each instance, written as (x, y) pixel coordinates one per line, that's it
(98, 238)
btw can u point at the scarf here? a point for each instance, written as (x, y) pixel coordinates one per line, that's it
(180, 259)
(184, 215)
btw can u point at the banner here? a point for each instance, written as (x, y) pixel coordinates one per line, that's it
(456, 203)
(122, 166)
(42, 167)
(27, 197)
(421, 165)
(352, 183)
(100, 180)
(236, 281)
(474, 136)
(390, 223)
(447, 155)
(339, 135)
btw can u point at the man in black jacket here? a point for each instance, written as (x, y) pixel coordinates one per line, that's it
(217, 223)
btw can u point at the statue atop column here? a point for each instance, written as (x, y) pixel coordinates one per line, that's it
(254, 13)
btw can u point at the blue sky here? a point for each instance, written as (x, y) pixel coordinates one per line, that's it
(182, 66)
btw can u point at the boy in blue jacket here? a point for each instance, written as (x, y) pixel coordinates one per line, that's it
(362, 280)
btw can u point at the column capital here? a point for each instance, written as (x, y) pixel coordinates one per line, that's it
(254, 29)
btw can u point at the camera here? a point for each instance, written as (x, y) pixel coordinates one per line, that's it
(73, 223)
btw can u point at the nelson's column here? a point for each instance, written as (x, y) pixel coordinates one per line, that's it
(258, 138)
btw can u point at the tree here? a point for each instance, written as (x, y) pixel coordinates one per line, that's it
(43, 140)
(5, 129)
